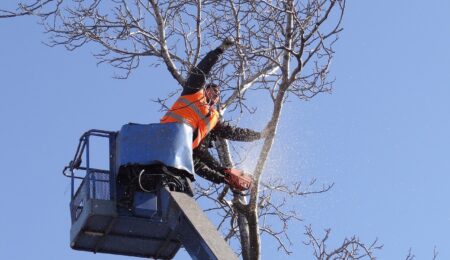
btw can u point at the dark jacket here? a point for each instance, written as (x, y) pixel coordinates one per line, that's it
(205, 164)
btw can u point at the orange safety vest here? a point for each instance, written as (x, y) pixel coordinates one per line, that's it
(194, 111)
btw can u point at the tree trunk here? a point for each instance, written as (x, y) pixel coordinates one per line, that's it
(225, 159)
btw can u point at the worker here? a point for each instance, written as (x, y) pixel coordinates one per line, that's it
(196, 107)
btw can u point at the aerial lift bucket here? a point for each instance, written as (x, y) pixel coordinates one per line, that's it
(156, 222)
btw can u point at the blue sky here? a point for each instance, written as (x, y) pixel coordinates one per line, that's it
(382, 137)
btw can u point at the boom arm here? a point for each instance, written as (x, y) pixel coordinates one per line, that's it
(197, 234)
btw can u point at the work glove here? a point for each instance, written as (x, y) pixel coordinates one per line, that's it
(227, 43)
(238, 180)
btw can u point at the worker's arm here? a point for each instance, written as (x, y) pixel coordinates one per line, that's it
(227, 131)
(207, 166)
(197, 76)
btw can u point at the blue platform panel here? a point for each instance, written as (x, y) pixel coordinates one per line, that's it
(168, 144)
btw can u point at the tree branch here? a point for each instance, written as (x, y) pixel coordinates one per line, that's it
(162, 41)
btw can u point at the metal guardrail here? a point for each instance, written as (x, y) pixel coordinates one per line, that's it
(95, 183)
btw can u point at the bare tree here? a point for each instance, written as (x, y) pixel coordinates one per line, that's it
(351, 248)
(411, 256)
(435, 253)
(283, 50)
(37, 8)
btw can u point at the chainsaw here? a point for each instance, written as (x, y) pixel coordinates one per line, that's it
(238, 179)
